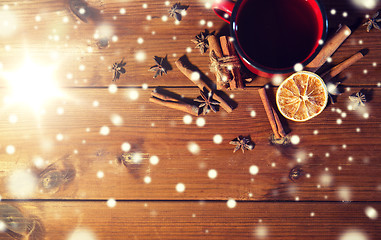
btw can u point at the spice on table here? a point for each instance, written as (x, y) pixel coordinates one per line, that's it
(176, 11)
(333, 72)
(232, 61)
(274, 120)
(118, 69)
(329, 48)
(295, 173)
(284, 141)
(80, 9)
(171, 102)
(160, 68)
(243, 143)
(207, 102)
(358, 99)
(201, 40)
(216, 66)
(373, 22)
(184, 66)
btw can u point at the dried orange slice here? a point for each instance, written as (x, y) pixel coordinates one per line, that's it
(302, 96)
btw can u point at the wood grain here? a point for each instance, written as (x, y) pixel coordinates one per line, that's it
(331, 155)
(202, 220)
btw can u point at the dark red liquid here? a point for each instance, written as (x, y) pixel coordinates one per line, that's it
(277, 33)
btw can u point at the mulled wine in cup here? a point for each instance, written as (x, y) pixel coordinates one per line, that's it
(272, 36)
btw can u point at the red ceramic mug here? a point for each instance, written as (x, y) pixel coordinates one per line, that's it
(272, 36)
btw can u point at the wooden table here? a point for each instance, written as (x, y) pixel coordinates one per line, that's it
(59, 155)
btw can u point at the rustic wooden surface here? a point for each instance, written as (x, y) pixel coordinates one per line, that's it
(337, 196)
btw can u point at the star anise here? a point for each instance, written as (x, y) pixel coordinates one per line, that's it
(176, 11)
(207, 102)
(118, 69)
(358, 99)
(295, 173)
(160, 67)
(373, 22)
(243, 143)
(201, 40)
(334, 89)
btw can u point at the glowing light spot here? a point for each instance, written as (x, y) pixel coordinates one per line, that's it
(326, 179)
(140, 40)
(38, 162)
(37, 18)
(312, 214)
(154, 160)
(126, 147)
(13, 118)
(295, 139)
(7, 48)
(209, 24)
(147, 179)
(353, 234)
(329, 59)
(212, 173)
(10, 149)
(350, 159)
(180, 187)
(367, 4)
(3, 226)
(95, 103)
(82, 11)
(195, 76)
(273, 164)
(371, 213)
(321, 42)
(298, 67)
(374, 64)
(82, 234)
(193, 148)
(358, 129)
(112, 88)
(100, 174)
(122, 11)
(145, 86)
(140, 56)
(200, 122)
(261, 232)
(253, 170)
(22, 183)
(166, 3)
(231, 203)
(133, 94)
(145, 5)
(104, 130)
(149, 17)
(345, 14)
(217, 139)
(116, 119)
(339, 121)
(365, 115)
(164, 18)
(111, 203)
(361, 42)
(59, 137)
(297, 198)
(202, 22)
(187, 119)
(188, 49)
(277, 80)
(114, 38)
(333, 11)
(253, 113)
(344, 194)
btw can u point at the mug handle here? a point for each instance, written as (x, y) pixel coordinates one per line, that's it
(223, 9)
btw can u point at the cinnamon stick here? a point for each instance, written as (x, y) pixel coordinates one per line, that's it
(228, 50)
(340, 67)
(274, 120)
(329, 48)
(214, 45)
(196, 79)
(170, 102)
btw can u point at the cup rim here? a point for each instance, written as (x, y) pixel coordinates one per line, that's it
(262, 68)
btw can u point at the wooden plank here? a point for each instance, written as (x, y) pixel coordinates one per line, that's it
(58, 38)
(203, 220)
(339, 159)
